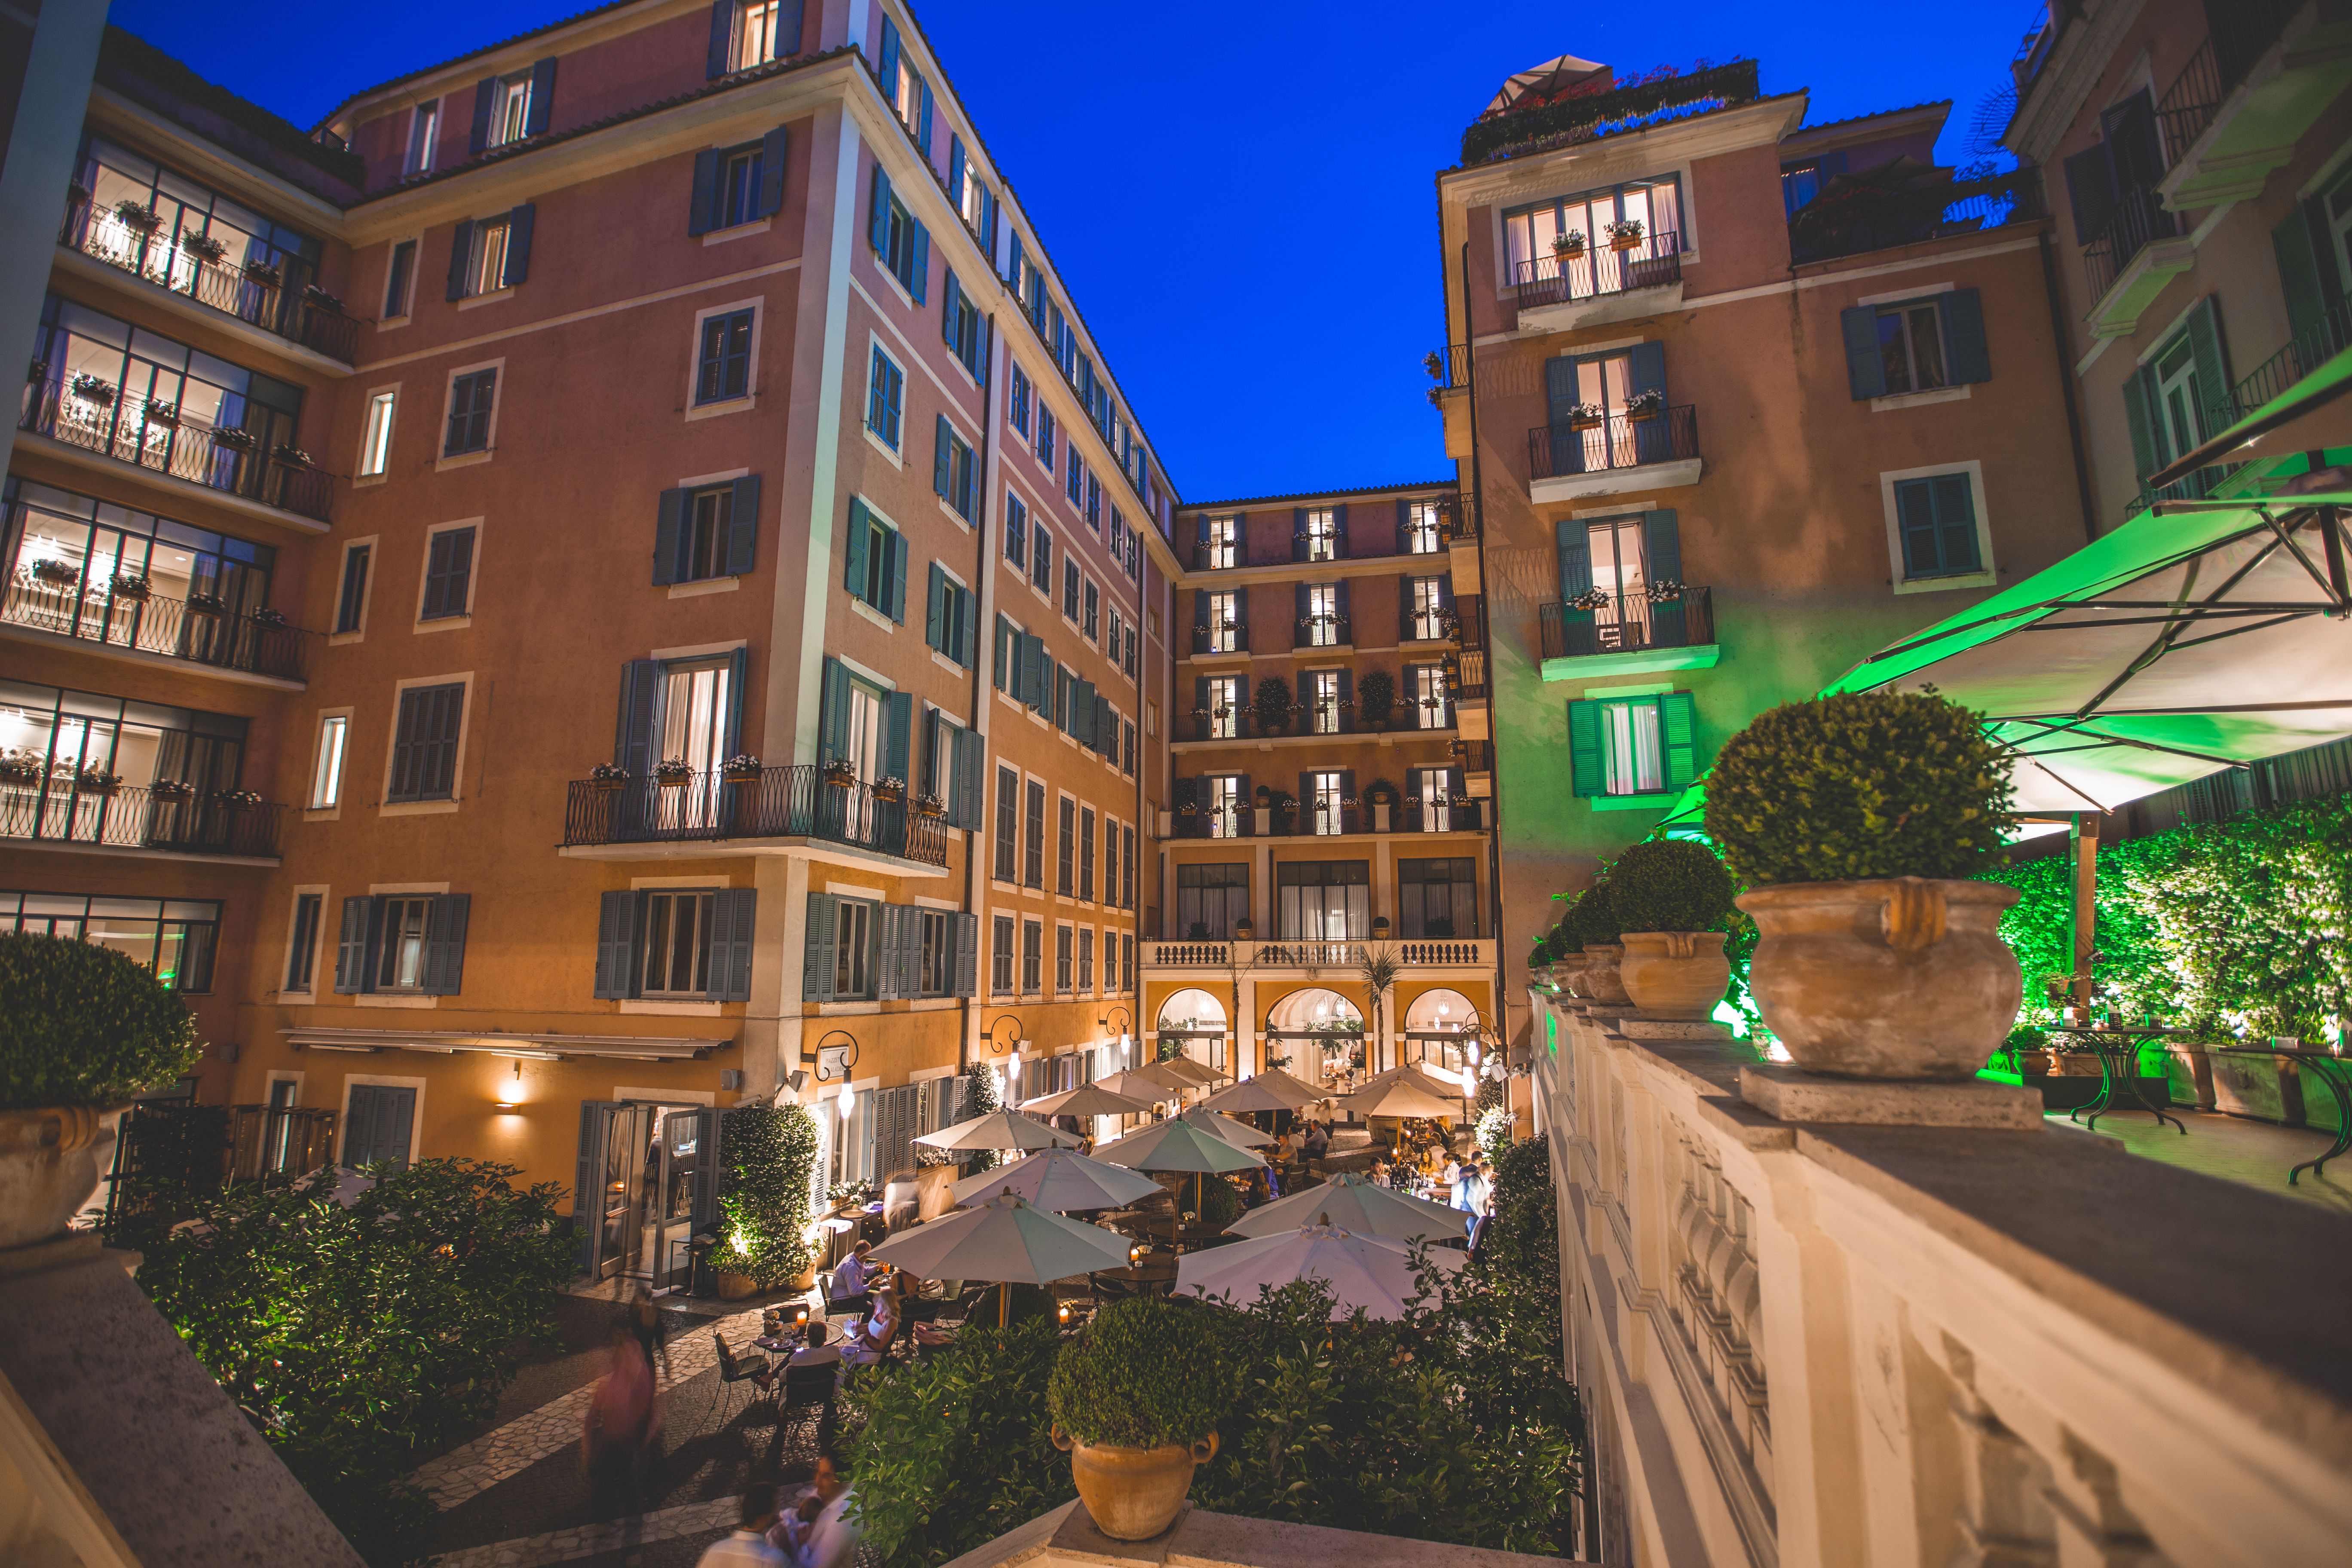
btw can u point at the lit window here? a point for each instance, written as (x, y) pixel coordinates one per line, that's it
(1422, 534)
(676, 944)
(400, 958)
(424, 136)
(757, 38)
(375, 445)
(486, 263)
(1320, 540)
(510, 110)
(327, 773)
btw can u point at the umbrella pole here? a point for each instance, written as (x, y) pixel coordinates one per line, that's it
(1004, 1304)
(2081, 936)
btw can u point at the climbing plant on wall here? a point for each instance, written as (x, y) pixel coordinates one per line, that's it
(771, 1158)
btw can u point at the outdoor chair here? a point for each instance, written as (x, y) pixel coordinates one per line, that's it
(807, 1395)
(755, 1370)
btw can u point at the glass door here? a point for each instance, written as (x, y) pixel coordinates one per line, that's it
(612, 1158)
(684, 1155)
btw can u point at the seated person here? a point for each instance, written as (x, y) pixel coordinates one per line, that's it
(1318, 1140)
(871, 1340)
(813, 1351)
(853, 1280)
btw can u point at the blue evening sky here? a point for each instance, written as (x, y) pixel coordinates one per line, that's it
(1241, 197)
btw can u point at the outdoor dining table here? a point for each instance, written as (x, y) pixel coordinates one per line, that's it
(2117, 1046)
(2330, 1070)
(1156, 1272)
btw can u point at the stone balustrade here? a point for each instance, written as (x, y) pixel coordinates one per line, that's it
(1875, 1337)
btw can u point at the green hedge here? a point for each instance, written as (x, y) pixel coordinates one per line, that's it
(769, 1153)
(85, 1024)
(2239, 924)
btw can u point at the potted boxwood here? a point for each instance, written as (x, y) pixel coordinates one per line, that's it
(1136, 1399)
(1272, 705)
(1588, 936)
(1376, 698)
(83, 1029)
(1856, 821)
(1669, 896)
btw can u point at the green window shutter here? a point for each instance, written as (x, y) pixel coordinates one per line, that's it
(668, 520)
(1865, 373)
(968, 617)
(816, 969)
(861, 530)
(444, 944)
(2212, 369)
(1082, 714)
(970, 770)
(1915, 515)
(743, 526)
(1560, 387)
(935, 609)
(890, 932)
(730, 971)
(1662, 551)
(1955, 523)
(999, 654)
(1678, 738)
(616, 931)
(350, 949)
(832, 717)
(739, 670)
(1574, 543)
(2299, 272)
(898, 735)
(1965, 355)
(705, 188)
(1587, 773)
(942, 458)
(2143, 432)
(897, 605)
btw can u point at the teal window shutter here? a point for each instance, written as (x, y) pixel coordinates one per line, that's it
(1955, 523)
(878, 217)
(706, 191)
(920, 278)
(668, 518)
(1587, 771)
(1865, 373)
(890, 933)
(1007, 644)
(1678, 738)
(1965, 355)
(1915, 514)
(935, 609)
(950, 313)
(887, 69)
(632, 737)
(1082, 714)
(1575, 544)
(2143, 432)
(2212, 370)
(739, 668)
(616, 931)
(833, 713)
(955, 171)
(943, 458)
(1560, 396)
(729, 973)
(444, 944)
(897, 605)
(861, 530)
(967, 653)
(2299, 271)
(1661, 553)
(898, 735)
(744, 525)
(816, 982)
(350, 949)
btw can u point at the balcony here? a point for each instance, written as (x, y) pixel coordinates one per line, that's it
(1414, 953)
(1230, 638)
(202, 632)
(1560, 293)
(1627, 633)
(1327, 629)
(1856, 213)
(2319, 341)
(109, 422)
(1465, 676)
(310, 319)
(1457, 814)
(781, 804)
(2245, 98)
(1617, 454)
(1584, 117)
(69, 810)
(2127, 263)
(1477, 766)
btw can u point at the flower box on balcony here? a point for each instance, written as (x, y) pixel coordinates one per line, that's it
(607, 776)
(163, 413)
(1569, 246)
(890, 790)
(930, 806)
(319, 298)
(261, 272)
(58, 574)
(170, 792)
(673, 774)
(1587, 416)
(235, 799)
(1626, 234)
(136, 216)
(234, 437)
(293, 456)
(741, 770)
(20, 768)
(203, 246)
(1666, 592)
(272, 619)
(1593, 599)
(206, 605)
(134, 589)
(96, 782)
(841, 772)
(1647, 404)
(92, 389)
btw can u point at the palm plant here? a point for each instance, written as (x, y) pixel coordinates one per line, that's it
(1379, 970)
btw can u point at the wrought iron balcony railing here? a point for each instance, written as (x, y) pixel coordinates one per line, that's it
(1457, 814)
(1326, 630)
(776, 802)
(2320, 340)
(1597, 272)
(163, 437)
(1466, 674)
(2241, 32)
(1626, 623)
(178, 262)
(2139, 218)
(1614, 441)
(1221, 639)
(100, 612)
(59, 808)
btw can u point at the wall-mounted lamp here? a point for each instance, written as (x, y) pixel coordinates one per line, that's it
(836, 1053)
(1004, 1034)
(514, 1091)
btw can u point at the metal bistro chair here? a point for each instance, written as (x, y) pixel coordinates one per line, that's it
(808, 1394)
(756, 1370)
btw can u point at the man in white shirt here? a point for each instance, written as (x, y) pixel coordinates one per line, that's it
(749, 1544)
(830, 1539)
(853, 1276)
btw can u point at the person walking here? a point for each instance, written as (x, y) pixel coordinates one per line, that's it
(645, 1323)
(831, 1539)
(749, 1544)
(617, 1432)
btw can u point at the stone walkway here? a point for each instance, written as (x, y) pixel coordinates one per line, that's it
(702, 1520)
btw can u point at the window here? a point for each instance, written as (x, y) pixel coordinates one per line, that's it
(424, 139)
(1220, 542)
(1322, 901)
(1437, 898)
(448, 575)
(935, 953)
(1326, 623)
(1066, 847)
(351, 601)
(1916, 345)
(1327, 795)
(1211, 899)
(327, 770)
(853, 948)
(1032, 958)
(472, 396)
(1424, 608)
(510, 115)
(1093, 504)
(1938, 521)
(876, 570)
(1224, 806)
(1318, 534)
(486, 250)
(1017, 404)
(1041, 559)
(1428, 695)
(1594, 266)
(886, 392)
(1435, 786)
(955, 475)
(676, 945)
(901, 245)
(399, 281)
(400, 949)
(1078, 486)
(424, 743)
(175, 938)
(302, 949)
(1633, 745)
(1424, 534)
(1044, 448)
(1118, 634)
(1062, 957)
(905, 90)
(1090, 623)
(1222, 707)
(1000, 957)
(1321, 690)
(696, 535)
(1033, 866)
(379, 1119)
(764, 30)
(948, 623)
(1086, 854)
(1222, 621)
(1008, 822)
(1070, 579)
(375, 441)
(1085, 960)
(960, 323)
(973, 200)
(1016, 532)
(724, 368)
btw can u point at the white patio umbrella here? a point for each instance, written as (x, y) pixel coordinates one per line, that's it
(1554, 75)
(1058, 1180)
(1179, 1145)
(1000, 1130)
(1273, 1090)
(1401, 1097)
(1135, 1086)
(1089, 1100)
(1357, 1204)
(1163, 1074)
(1240, 1134)
(1006, 1241)
(1191, 1072)
(1373, 1272)
(1420, 1074)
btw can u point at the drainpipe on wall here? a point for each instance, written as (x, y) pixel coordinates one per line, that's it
(2067, 381)
(983, 643)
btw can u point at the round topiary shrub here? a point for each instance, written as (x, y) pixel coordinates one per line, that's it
(1145, 1373)
(85, 1024)
(1856, 786)
(1669, 884)
(1589, 919)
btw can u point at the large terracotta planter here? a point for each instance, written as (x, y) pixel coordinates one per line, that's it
(1678, 974)
(1901, 977)
(737, 1286)
(50, 1161)
(1568, 972)
(1601, 979)
(1134, 1493)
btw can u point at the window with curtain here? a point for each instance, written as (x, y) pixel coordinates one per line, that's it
(175, 938)
(1435, 785)
(1421, 532)
(1224, 623)
(1426, 597)
(1224, 806)
(1322, 694)
(1428, 695)
(1327, 793)
(1211, 899)
(1528, 233)
(1323, 900)
(1319, 534)
(1437, 898)
(1323, 624)
(66, 552)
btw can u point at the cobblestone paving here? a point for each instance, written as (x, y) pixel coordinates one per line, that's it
(696, 1523)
